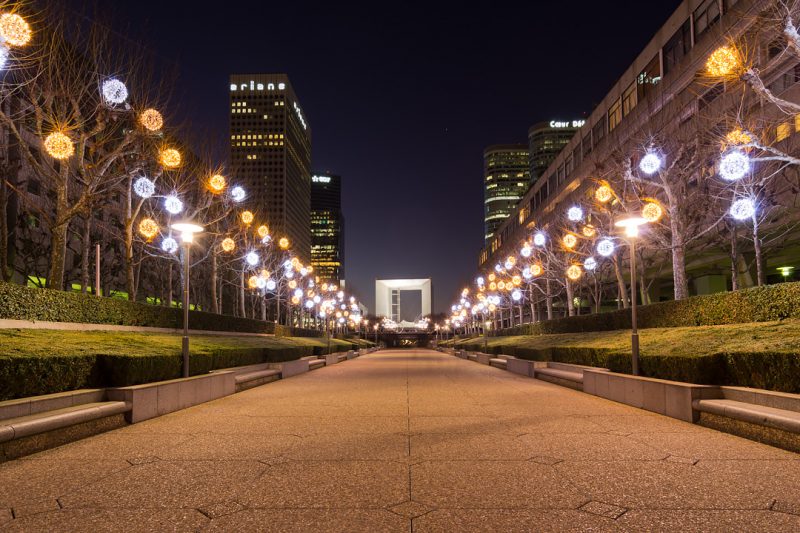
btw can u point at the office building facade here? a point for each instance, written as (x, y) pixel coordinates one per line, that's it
(270, 154)
(546, 140)
(506, 177)
(327, 227)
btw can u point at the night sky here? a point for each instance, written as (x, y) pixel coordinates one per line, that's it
(402, 99)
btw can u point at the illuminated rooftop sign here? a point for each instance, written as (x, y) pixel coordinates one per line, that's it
(321, 179)
(567, 124)
(253, 86)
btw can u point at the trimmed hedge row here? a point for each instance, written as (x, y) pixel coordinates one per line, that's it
(25, 303)
(22, 376)
(758, 304)
(778, 371)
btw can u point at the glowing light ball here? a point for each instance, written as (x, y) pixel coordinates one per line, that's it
(228, 245)
(492, 277)
(309, 304)
(296, 301)
(569, 241)
(590, 263)
(516, 295)
(58, 145)
(603, 194)
(238, 194)
(734, 166)
(509, 265)
(651, 212)
(526, 273)
(498, 267)
(170, 158)
(266, 239)
(173, 204)
(292, 284)
(247, 217)
(516, 280)
(114, 91)
(144, 187)
(539, 239)
(650, 163)
(14, 30)
(511, 260)
(493, 286)
(737, 137)
(253, 282)
(271, 285)
(298, 292)
(743, 209)
(722, 62)
(283, 243)
(252, 258)
(605, 247)
(262, 231)
(574, 272)
(169, 245)
(526, 251)
(501, 285)
(537, 269)
(261, 282)
(217, 183)
(148, 228)
(151, 120)
(575, 213)
(3, 56)
(479, 280)
(588, 231)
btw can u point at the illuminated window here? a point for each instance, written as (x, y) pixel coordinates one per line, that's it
(629, 99)
(614, 115)
(797, 123)
(782, 131)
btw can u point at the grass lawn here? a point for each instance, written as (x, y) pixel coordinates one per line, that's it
(760, 354)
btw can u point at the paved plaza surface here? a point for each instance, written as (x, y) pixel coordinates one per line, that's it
(406, 441)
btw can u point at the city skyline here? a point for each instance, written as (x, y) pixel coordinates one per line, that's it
(397, 128)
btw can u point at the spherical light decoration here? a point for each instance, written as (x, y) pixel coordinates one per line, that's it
(588, 231)
(298, 292)
(501, 285)
(228, 245)
(266, 239)
(238, 194)
(247, 217)
(738, 137)
(526, 251)
(292, 284)
(574, 272)
(262, 231)
(252, 258)
(309, 304)
(169, 245)
(151, 120)
(590, 263)
(173, 204)
(516, 295)
(734, 165)
(651, 212)
(170, 158)
(743, 209)
(493, 286)
(283, 243)
(59, 146)
(539, 239)
(537, 270)
(722, 62)
(262, 283)
(480, 281)
(569, 241)
(252, 282)
(605, 247)
(508, 265)
(114, 91)
(603, 194)
(14, 30)
(516, 280)
(526, 273)
(650, 163)
(148, 228)
(575, 213)
(217, 183)
(271, 285)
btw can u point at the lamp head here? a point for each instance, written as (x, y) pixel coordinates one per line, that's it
(631, 225)
(187, 230)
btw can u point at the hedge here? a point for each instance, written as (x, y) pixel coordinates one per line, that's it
(758, 304)
(778, 371)
(26, 303)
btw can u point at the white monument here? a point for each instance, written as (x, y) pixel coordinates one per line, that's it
(387, 296)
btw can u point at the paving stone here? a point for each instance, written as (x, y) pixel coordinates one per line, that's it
(410, 509)
(783, 506)
(216, 510)
(34, 507)
(603, 509)
(110, 520)
(6, 515)
(544, 460)
(316, 520)
(511, 521)
(721, 521)
(135, 461)
(682, 460)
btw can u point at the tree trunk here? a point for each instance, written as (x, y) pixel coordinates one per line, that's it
(570, 302)
(734, 259)
(169, 286)
(214, 301)
(5, 271)
(760, 274)
(86, 246)
(622, 288)
(58, 255)
(680, 281)
(130, 276)
(242, 308)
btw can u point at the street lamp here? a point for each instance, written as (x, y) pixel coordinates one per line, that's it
(187, 231)
(486, 325)
(631, 225)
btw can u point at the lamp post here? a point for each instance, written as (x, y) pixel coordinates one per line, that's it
(187, 230)
(485, 333)
(631, 225)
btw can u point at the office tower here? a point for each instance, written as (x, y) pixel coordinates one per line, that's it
(506, 177)
(270, 155)
(327, 227)
(545, 141)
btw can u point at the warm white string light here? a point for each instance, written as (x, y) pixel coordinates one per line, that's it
(238, 194)
(575, 213)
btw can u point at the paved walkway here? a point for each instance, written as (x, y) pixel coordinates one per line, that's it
(400, 440)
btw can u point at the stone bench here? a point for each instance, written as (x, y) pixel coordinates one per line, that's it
(751, 413)
(254, 379)
(316, 363)
(26, 426)
(499, 362)
(565, 374)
